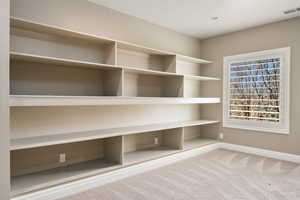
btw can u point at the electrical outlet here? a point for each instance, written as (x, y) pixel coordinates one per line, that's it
(221, 136)
(62, 157)
(156, 140)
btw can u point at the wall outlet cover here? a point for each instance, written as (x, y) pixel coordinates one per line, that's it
(62, 157)
(156, 140)
(221, 136)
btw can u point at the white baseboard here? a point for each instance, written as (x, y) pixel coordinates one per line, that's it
(88, 183)
(262, 152)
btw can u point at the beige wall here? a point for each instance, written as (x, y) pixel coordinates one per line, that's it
(282, 34)
(89, 17)
(106, 22)
(4, 112)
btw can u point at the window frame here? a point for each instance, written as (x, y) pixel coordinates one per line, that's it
(283, 127)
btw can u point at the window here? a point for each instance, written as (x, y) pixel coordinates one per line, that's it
(256, 91)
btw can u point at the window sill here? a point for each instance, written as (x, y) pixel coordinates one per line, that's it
(259, 129)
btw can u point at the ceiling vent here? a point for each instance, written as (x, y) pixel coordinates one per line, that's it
(287, 12)
(290, 11)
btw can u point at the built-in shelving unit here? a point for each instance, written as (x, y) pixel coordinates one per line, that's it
(56, 71)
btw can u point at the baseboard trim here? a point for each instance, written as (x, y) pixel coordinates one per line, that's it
(102, 179)
(262, 152)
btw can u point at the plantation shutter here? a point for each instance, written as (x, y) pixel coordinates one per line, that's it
(255, 90)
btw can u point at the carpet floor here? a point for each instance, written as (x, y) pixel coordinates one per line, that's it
(217, 175)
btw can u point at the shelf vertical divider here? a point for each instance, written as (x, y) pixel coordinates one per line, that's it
(111, 54)
(113, 148)
(183, 138)
(113, 82)
(181, 78)
(122, 150)
(173, 138)
(121, 91)
(170, 62)
(181, 92)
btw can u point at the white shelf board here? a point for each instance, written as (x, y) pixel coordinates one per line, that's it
(39, 141)
(76, 63)
(148, 154)
(44, 179)
(148, 72)
(192, 59)
(197, 142)
(50, 29)
(201, 78)
(162, 73)
(58, 61)
(45, 28)
(140, 48)
(45, 100)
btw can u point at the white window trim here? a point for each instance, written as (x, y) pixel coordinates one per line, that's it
(283, 126)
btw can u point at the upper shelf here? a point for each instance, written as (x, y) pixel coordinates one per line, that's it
(191, 59)
(32, 142)
(143, 49)
(201, 78)
(44, 28)
(59, 61)
(36, 100)
(76, 63)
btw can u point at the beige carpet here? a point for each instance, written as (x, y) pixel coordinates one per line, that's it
(217, 175)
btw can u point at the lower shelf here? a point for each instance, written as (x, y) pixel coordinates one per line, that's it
(197, 142)
(44, 100)
(32, 142)
(147, 154)
(44, 179)
(36, 181)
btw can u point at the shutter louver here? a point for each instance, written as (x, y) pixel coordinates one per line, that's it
(255, 90)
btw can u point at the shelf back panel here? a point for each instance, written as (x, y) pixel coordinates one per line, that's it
(50, 45)
(165, 63)
(44, 158)
(143, 141)
(188, 68)
(192, 132)
(67, 119)
(152, 86)
(30, 78)
(192, 88)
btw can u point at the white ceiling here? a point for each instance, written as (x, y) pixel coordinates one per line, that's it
(193, 17)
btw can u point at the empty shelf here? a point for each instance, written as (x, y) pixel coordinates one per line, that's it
(58, 61)
(44, 28)
(39, 141)
(147, 154)
(201, 78)
(39, 180)
(197, 142)
(77, 63)
(45, 100)
(162, 73)
(49, 29)
(148, 71)
(192, 59)
(143, 49)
